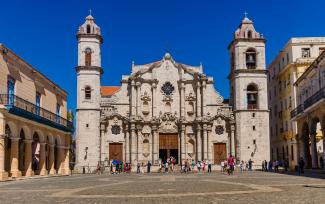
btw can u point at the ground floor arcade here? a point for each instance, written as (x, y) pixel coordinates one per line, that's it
(29, 148)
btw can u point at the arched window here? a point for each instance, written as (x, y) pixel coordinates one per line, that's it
(252, 97)
(251, 59)
(88, 29)
(87, 92)
(88, 57)
(249, 34)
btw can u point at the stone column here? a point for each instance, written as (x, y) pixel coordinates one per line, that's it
(313, 148)
(133, 99)
(43, 171)
(199, 143)
(323, 131)
(60, 160)
(198, 99)
(28, 158)
(139, 139)
(3, 173)
(127, 144)
(205, 142)
(14, 171)
(51, 160)
(138, 111)
(232, 140)
(204, 98)
(67, 161)
(183, 151)
(182, 100)
(154, 100)
(133, 146)
(209, 144)
(155, 144)
(103, 143)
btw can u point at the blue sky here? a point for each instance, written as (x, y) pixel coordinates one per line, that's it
(43, 32)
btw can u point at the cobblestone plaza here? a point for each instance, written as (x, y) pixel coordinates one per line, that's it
(247, 187)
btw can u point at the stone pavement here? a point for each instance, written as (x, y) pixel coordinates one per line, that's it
(247, 187)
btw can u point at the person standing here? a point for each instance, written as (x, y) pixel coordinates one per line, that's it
(222, 166)
(301, 166)
(148, 166)
(250, 162)
(138, 168)
(265, 165)
(209, 166)
(230, 164)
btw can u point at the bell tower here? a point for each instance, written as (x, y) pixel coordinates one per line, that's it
(248, 93)
(89, 72)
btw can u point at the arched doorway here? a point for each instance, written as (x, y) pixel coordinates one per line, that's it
(21, 151)
(47, 154)
(56, 156)
(35, 153)
(7, 143)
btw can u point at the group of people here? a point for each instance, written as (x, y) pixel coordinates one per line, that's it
(192, 166)
(274, 165)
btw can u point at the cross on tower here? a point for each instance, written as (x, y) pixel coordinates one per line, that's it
(245, 13)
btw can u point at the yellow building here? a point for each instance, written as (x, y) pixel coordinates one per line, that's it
(310, 113)
(286, 68)
(34, 131)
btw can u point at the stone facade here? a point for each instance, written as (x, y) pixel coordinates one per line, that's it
(164, 108)
(296, 56)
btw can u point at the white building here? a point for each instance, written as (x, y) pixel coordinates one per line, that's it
(165, 108)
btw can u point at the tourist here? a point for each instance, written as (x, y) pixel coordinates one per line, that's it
(148, 166)
(270, 165)
(166, 167)
(242, 166)
(222, 166)
(301, 164)
(198, 166)
(209, 166)
(230, 164)
(203, 165)
(138, 168)
(250, 164)
(193, 165)
(265, 165)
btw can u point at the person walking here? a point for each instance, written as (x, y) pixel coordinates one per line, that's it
(138, 168)
(301, 164)
(209, 166)
(222, 166)
(230, 164)
(265, 165)
(198, 166)
(250, 163)
(193, 165)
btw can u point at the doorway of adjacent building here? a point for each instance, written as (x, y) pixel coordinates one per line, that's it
(168, 146)
(116, 151)
(220, 152)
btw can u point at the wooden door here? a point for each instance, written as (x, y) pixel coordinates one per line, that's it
(168, 141)
(116, 151)
(220, 152)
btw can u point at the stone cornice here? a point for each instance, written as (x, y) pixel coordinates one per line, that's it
(98, 37)
(90, 68)
(246, 40)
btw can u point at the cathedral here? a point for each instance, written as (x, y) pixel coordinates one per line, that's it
(167, 108)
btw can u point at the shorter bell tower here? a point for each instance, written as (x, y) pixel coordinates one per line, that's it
(89, 72)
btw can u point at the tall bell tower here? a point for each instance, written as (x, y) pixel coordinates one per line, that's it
(248, 93)
(89, 72)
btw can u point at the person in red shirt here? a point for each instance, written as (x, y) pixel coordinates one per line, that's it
(230, 164)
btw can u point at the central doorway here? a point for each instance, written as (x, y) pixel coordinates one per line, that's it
(220, 152)
(168, 146)
(116, 151)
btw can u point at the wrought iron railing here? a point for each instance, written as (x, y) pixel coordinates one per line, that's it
(314, 98)
(299, 109)
(16, 101)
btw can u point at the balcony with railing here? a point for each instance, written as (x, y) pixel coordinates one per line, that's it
(299, 109)
(315, 98)
(21, 107)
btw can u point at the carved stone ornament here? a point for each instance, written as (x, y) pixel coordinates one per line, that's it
(168, 122)
(167, 89)
(219, 129)
(116, 129)
(145, 97)
(190, 97)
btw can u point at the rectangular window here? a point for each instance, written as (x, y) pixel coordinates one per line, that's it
(58, 110)
(10, 90)
(38, 103)
(305, 52)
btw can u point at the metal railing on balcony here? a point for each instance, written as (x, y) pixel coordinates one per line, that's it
(299, 109)
(315, 98)
(20, 103)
